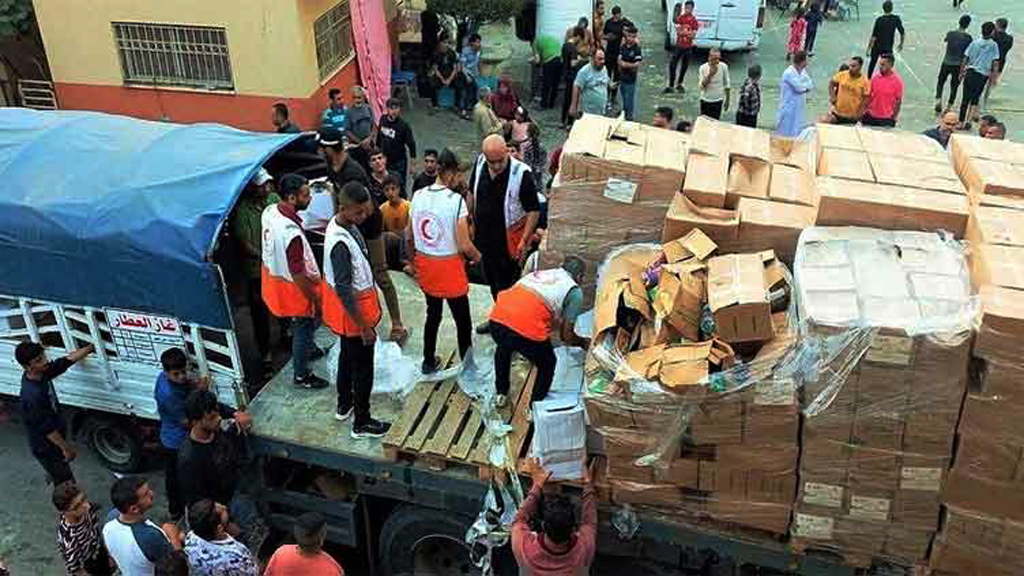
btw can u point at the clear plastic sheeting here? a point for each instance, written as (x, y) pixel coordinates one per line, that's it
(493, 526)
(394, 373)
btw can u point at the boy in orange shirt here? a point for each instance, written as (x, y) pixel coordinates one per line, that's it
(396, 210)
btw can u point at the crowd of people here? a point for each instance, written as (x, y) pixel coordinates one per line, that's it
(375, 214)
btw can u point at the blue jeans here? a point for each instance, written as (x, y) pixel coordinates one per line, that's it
(302, 344)
(628, 91)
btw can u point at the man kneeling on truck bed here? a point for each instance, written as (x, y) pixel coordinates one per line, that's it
(524, 317)
(351, 308)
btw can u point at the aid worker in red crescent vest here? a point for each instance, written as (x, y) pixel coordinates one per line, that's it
(526, 315)
(352, 308)
(290, 277)
(438, 239)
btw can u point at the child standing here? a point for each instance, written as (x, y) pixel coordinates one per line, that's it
(814, 18)
(750, 98)
(797, 30)
(78, 536)
(395, 211)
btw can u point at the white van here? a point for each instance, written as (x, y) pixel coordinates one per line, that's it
(729, 25)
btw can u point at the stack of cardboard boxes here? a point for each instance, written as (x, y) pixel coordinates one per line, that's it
(748, 190)
(691, 418)
(887, 179)
(983, 528)
(614, 179)
(891, 314)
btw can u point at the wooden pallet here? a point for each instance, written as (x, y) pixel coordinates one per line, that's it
(441, 426)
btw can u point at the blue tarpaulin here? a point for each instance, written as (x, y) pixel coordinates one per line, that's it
(101, 210)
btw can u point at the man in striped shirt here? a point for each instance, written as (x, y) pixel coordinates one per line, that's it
(78, 537)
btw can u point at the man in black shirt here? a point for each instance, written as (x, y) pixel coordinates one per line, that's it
(429, 174)
(630, 58)
(613, 28)
(446, 71)
(394, 137)
(40, 410)
(883, 35)
(502, 243)
(1005, 42)
(957, 42)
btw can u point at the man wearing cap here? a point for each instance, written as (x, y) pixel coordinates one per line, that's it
(290, 275)
(505, 214)
(394, 136)
(524, 318)
(247, 227)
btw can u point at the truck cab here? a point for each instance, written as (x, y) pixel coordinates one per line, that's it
(729, 25)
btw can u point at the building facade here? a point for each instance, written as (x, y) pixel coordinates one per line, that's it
(188, 61)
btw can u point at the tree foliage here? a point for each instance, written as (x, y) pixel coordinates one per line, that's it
(16, 18)
(477, 11)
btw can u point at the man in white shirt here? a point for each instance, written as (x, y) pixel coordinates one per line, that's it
(210, 549)
(715, 87)
(134, 542)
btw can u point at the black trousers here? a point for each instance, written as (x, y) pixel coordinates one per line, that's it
(951, 71)
(540, 354)
(551, 75)
(501, 270)
(175, 504)
(260, 316)
(57, 469)
(874, 61)
(812, 34)
(746, 119)
(355, 376)
(974, 85)
(711, 109)
(570, 79)
(459, 307)
(681, 58)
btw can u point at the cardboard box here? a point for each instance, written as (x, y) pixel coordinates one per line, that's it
(990, 177)
(849, 203)
(760, 515)
(649, 494)
(1000, 499)
(717, 423)
(711, 137)
(683, 216)
(982, 458)
(1002, 325)
(965, 146)
(560, 437)
(793, 153)
(833, 136)
(900, 143)
(996, 265)
(916, 173)
(679, 301)
(846, 164)
(792, 185)
(748, 177)
(707, 180)
(739, 298)
(991, 225)
(772, 225)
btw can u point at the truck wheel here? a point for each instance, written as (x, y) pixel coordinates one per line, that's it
(424, 542)
(117, 445)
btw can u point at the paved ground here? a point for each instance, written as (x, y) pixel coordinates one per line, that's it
(27, 539)
(926, 21)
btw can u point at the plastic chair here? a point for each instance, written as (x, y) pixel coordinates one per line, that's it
(402, 81)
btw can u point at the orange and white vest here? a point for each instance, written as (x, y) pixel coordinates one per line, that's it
(281, 294)
(440, 269)
(515, 215)
(363, 288)
(533, 306)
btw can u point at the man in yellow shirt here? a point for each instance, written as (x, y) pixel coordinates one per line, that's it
(849, 92)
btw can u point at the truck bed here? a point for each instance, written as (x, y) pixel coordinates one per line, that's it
(290, 416)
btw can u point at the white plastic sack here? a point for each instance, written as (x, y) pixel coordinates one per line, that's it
(393, 372)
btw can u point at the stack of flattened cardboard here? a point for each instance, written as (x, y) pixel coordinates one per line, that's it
(683, 431)
(992, 170)
(984, 524)
(615, 179)
(887, 179)
(748, 190)
(892, 312)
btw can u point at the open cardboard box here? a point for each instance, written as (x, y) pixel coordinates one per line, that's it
(738, 294)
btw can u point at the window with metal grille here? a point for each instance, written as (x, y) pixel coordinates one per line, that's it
(173, 55)
(333, 33)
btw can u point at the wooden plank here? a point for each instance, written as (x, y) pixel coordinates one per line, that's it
(481, 454)
(520, 423)
(460, 449)
(427, 424)
(414, 406)
(458, 409)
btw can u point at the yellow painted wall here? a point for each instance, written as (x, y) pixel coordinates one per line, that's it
(270, 41)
